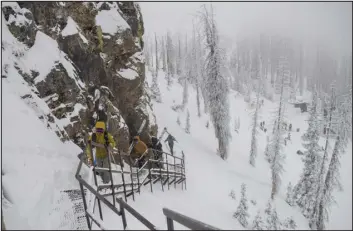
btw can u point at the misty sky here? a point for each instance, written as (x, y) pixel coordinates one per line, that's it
(328, 22)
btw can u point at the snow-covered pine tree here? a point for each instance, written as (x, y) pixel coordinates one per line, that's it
(146, 51)
(289, 196)
(275, 222)
(178, 59)
(232, 194)
(268, 214)
(170, 59)
(268, 152)
(316, 218)
(277, 157)
(187, 124)
(185, 93)
(156, 94)
(242, 211)
(178, 121)
(258, 224)
(196, 69)
(216, 85)
(156, 48)
(289, 224)
(304, 190)
(253, 148)
(332, 179)
(163, 55)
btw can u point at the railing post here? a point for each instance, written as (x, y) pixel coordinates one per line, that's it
(110, 172)
(132, 184)
(170, 224)
(122, 175)
(85, 206)
(138, 180)
(184, 169)
(160, 170)
(149, 172)
(166, 157)
(123, 217)
(99, 202)
(175, 173)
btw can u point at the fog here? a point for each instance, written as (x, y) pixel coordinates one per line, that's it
(328, 24)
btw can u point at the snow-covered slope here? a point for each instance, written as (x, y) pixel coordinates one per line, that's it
(210, 179)
(36, 165)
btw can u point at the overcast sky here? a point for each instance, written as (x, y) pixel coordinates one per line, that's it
(329, 22)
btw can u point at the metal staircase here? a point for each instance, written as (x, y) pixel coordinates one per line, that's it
(171, 171)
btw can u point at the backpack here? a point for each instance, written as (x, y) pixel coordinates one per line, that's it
(94, 137)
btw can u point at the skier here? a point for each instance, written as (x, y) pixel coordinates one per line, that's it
(290, 127)
(139, 151)
(170, 140)
(100, 136)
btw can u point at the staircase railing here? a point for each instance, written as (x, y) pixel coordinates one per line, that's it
(185, 220)
(154, 174)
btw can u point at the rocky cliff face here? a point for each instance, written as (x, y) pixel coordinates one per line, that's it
(85, 61)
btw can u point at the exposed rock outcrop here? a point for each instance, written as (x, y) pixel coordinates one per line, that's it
(84, 58)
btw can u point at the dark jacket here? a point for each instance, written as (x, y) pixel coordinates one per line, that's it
(170, 139)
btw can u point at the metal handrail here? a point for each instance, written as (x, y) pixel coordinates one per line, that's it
(123, 205)
(185, 220)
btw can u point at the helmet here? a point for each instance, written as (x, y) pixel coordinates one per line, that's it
(100, 126)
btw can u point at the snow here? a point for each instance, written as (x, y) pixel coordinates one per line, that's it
(71, 29)
(129, 74)
(36, 165)
(44, 55)
(111, 21)
(208, 176)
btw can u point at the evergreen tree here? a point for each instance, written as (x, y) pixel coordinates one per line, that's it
(253, 149)
(289, 224)
(316, 218)
(276, 147)
(232, 194)
(170, 57)
(185, 93)
(258, 223)
(289, 196)
(216, 85)
(332, 179)
(305, 190)
(195, 59)
(275, 223)
(178, 121)
(163, 56)
(157, 59)
(187, 124)
(156, 94)
(178, 59)
(242, 211)
(268, 214)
